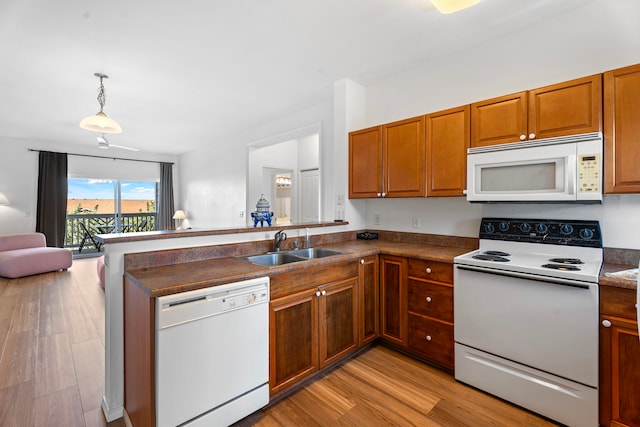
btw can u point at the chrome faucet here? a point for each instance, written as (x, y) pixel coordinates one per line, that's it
(278, 239)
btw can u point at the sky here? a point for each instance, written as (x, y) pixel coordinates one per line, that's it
(82, 188)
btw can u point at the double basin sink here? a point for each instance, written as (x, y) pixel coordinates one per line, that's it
(272, 259)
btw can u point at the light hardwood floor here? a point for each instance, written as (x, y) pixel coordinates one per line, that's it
(382, 387)
(52, 348)
(52, 371)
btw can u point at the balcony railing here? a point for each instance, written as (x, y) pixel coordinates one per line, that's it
(105, 224)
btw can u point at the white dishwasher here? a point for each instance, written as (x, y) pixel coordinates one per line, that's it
(212, 354)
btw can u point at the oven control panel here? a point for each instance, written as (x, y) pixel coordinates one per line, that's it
(550, 231)
(589, 173)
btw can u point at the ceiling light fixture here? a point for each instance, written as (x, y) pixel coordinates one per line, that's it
(451, 6)
(100, 122)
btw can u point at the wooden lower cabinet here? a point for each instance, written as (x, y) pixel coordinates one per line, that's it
(293, 339)
(619, 358)
(369, 300)
(393, 299)
(313, 327)
(430, 306)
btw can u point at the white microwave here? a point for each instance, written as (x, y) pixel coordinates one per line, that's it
(563, 169)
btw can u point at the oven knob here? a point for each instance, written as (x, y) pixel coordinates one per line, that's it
(489, 228)
(542, 228)
(566, 229)
(586, 233)
(525, 228)
(503, 226)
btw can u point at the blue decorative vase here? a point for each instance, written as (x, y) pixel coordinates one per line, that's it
(262, 212)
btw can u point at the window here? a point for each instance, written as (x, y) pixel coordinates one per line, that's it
(109, 206)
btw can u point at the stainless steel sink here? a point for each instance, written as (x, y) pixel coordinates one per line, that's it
(314, 253)
(273, 259)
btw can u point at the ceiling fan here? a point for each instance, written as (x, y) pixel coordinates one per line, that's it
(103, 143)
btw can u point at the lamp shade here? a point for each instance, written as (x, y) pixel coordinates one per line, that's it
(179, 215)
(100, 123)
(451, 6)
(3, 199)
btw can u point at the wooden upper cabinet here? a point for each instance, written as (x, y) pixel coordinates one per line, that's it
(622, 130)
(447, 142)
(404, 158)
(561, 109)
(499, 120)
(365, 163)
(566, 108)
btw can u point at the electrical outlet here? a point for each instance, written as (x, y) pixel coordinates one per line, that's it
(340, 199)
(415, 221)
(241, 214)
(376, 219)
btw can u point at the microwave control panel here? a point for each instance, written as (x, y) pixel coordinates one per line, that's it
(589, 173)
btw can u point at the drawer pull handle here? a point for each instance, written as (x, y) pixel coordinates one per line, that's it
(606, 323)
(428, 337)
(428, 299)
(428, 270)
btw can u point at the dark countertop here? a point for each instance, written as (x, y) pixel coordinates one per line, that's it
(618, 283)
(171, 279)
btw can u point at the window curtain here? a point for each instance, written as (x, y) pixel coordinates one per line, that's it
(164, 221)
(51, 213)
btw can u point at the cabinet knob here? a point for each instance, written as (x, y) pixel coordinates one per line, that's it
(523, 137)
(532, 136)
(384, 194)
(428, 338)
(379, 194)
(324, 292)
(318, 293)
(428, 270)
(464, 191)
(362, 261)
(428, 299)
(606, 323)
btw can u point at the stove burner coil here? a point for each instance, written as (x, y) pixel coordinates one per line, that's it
(496, 253)
(566, 261)
(487, 257)
(563, 267)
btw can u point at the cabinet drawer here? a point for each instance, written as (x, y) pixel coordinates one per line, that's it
(618, 302)
(431, 300)
(431, 270)
(432, 339)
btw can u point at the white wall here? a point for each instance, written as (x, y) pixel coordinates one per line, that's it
(19, 175)
(214, 179)
(599, 36)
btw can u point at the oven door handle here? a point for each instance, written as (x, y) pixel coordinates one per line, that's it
(536, 278)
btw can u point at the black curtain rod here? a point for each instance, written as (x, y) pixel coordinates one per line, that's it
(103, 157)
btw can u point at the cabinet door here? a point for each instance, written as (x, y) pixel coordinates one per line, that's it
(499, 120)
(622, 130)
(368, 299)
(432, 339)
(447, 142)
(365, 163)
(338, 321)
(566, 108)
(404, 158)
(393, 299)
(293, 342)
(619, 372)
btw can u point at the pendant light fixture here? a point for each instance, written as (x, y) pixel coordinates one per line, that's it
(451, 6)
(100, 122)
